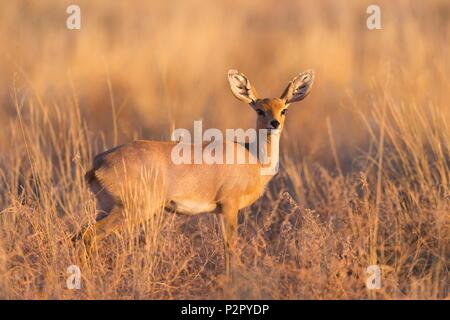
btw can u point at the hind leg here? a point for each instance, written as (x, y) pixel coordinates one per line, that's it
(104, 226)
(100, 229)
(109, 214)
(110, 223)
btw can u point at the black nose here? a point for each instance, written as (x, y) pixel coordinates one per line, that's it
(275, 123)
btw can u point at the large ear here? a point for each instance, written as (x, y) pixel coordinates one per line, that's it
(299, 87)
(241, 87)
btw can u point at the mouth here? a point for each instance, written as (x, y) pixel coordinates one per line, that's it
(273, 130)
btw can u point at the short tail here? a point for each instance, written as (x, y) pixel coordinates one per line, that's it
(90, 176)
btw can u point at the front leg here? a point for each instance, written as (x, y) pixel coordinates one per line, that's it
(228, 219)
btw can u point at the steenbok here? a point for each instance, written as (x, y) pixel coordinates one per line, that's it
(192, 189)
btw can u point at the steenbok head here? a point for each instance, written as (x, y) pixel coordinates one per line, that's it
(271, 111)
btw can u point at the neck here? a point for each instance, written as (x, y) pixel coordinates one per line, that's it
(268, 151)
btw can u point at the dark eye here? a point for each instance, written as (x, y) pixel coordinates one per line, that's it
(260, 112)
(283, 112)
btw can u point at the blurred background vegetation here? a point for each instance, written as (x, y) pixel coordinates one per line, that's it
(167, 62)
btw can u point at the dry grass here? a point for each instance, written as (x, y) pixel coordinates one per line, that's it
(366, 156)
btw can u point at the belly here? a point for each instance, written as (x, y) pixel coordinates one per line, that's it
(190, 207)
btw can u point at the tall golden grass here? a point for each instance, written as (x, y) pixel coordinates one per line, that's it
(365, 170)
